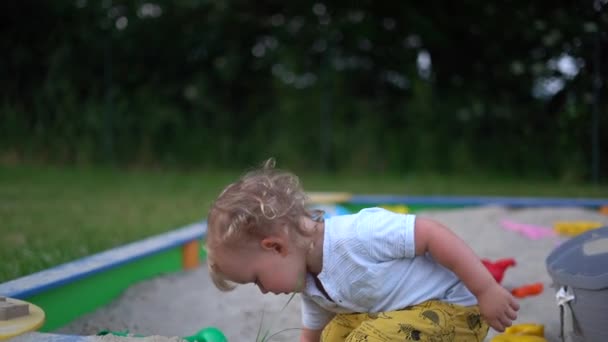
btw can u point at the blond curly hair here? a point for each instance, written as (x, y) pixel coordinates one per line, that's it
(260, 203)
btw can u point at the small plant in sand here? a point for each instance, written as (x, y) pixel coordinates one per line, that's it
(266, 334)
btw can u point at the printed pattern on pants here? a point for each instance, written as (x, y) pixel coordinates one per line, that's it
(430, 321)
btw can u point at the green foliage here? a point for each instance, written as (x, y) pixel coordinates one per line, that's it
(326, 86)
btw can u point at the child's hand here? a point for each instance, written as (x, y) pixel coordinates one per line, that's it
(497, 307)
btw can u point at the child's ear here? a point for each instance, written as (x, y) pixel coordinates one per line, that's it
(274, 244)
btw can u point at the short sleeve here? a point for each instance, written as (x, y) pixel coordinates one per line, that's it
(386, 235)
(314, 317)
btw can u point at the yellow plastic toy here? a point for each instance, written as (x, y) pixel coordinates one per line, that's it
(328, 197)
(526, 329)
(526, 332)
(399, 208)
(18, 317)
(573, 228)
(517, 338)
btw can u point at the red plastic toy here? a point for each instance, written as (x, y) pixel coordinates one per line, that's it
(498, 268)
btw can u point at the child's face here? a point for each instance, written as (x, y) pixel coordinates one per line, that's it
(273, 264)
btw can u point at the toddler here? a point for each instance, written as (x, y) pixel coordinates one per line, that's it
(371, 276)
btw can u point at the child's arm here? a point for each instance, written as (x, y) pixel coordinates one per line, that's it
(309, 335)
(496, 304)
(314, 319)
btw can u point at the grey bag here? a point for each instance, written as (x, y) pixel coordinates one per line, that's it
(579, 269)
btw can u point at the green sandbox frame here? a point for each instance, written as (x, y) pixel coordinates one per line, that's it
(69, 291)
(100, 289)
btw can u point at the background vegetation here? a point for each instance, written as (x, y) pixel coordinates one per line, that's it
(511, 86)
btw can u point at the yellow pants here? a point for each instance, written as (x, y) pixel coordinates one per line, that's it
(429, 321)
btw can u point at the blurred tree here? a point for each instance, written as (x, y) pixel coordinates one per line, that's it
(342, 85)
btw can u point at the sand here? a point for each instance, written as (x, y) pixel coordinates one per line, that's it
(181, 304)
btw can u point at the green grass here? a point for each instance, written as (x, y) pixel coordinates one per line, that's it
(51, 215)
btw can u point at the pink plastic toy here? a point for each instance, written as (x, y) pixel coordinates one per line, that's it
(528, 230)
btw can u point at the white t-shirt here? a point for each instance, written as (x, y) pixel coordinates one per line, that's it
(369, 265)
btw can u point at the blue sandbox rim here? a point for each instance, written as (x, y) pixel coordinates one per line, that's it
(46, 337)
(27, 286)
(479, 200)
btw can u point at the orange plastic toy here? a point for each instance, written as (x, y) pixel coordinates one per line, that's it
(527, 290)
(498, 268)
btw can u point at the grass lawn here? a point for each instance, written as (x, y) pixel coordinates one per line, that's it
(51, 215)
